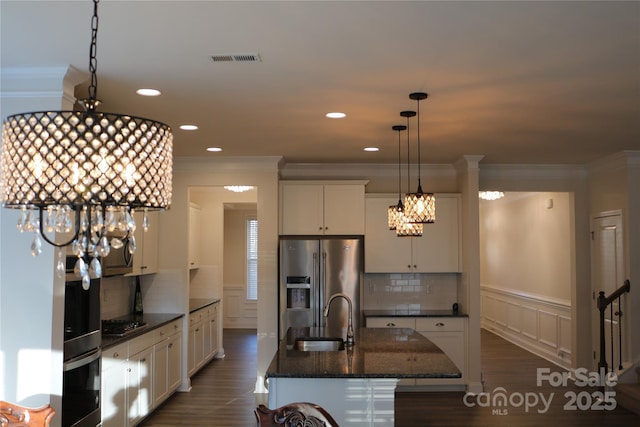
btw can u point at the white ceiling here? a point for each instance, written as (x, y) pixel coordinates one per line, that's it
(519, 82)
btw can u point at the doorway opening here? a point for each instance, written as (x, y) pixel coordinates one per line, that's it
(527, 271)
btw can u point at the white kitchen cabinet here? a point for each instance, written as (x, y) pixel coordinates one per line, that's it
(139, 389)
(145, 259)
(322, 208)
(134, 372)
(448, 333)
(436, 251)
(114, 385)
(196, 346)
(195, 235)
(203, 337)
(167, 361)
(210, 324)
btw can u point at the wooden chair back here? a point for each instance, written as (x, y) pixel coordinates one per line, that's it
(12, 415)
(294, 415)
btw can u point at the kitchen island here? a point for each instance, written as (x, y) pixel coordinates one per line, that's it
(356, 385)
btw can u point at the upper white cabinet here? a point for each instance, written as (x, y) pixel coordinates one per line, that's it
(322, 208)
(436, 251)
(145, 259)
(195, 218)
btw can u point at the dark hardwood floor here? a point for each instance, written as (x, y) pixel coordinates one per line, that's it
(222, 394)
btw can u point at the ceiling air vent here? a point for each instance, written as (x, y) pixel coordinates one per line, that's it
(236, 57)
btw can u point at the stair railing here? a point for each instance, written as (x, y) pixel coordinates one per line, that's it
(603, 303)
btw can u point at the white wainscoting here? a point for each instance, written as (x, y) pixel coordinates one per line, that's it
(538, 324)
(238, 311)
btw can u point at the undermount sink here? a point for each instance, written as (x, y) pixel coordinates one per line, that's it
(319, 344)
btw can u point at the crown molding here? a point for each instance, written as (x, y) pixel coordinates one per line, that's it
(358, 170)
(227, 164)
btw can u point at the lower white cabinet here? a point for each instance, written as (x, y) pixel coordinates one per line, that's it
(139, 389)
(139, 374)
(167, 362)
(203, 337)
(115, 367)
(448, 333)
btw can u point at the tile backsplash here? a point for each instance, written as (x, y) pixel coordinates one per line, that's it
(116, 296)
(405, 291)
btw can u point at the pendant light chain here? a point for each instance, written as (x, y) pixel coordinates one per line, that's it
(420, 207)
(406, 228)
(93, 61)
(419, 156)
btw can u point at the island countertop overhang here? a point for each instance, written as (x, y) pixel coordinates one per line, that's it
(378, 353)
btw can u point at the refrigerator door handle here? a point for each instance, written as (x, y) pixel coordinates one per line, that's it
(314, 290)
(323, 294)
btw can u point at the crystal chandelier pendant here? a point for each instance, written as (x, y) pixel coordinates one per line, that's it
(95, 268)
(60, 264)
(78, 175)
(36, 245)
(420, 207)
(80, 268)
(404, 228)
(394, 214)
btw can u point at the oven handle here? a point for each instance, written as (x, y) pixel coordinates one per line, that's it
(82, 360)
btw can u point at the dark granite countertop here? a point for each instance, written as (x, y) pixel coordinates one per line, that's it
(196, 304)
(412, 313)
(152, 320)
(377, 353)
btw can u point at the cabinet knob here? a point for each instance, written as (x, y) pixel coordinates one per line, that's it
(320, 228)
(440, 324)
(171, 345)
(143, 360)
(391, 325)
(161, 333)
(116, 354)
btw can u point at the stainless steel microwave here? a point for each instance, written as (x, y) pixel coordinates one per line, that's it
(118, 262)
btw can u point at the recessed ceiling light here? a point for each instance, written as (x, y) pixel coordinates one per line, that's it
(371, 149)
(148, 92)
(188, 127)
(214, 149)
(336, 115)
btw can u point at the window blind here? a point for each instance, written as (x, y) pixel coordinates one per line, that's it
(252, 259)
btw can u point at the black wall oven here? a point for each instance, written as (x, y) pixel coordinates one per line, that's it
(82, 355)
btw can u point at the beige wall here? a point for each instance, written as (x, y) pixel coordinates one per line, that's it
(525, 246)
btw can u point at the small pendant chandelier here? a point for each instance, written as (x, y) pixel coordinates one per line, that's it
(404, 227)
(420, 207)
(82, 174)
(396, 211)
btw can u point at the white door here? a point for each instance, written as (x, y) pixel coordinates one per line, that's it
(608, 275)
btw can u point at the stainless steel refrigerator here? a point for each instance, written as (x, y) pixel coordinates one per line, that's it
(311, 270)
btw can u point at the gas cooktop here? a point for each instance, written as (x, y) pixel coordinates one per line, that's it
(120, 328)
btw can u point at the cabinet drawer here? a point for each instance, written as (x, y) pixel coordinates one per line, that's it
(167, 330)
(140, 343)
(196, 317)
(115, 355)
(438, 324)
(391, 322)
